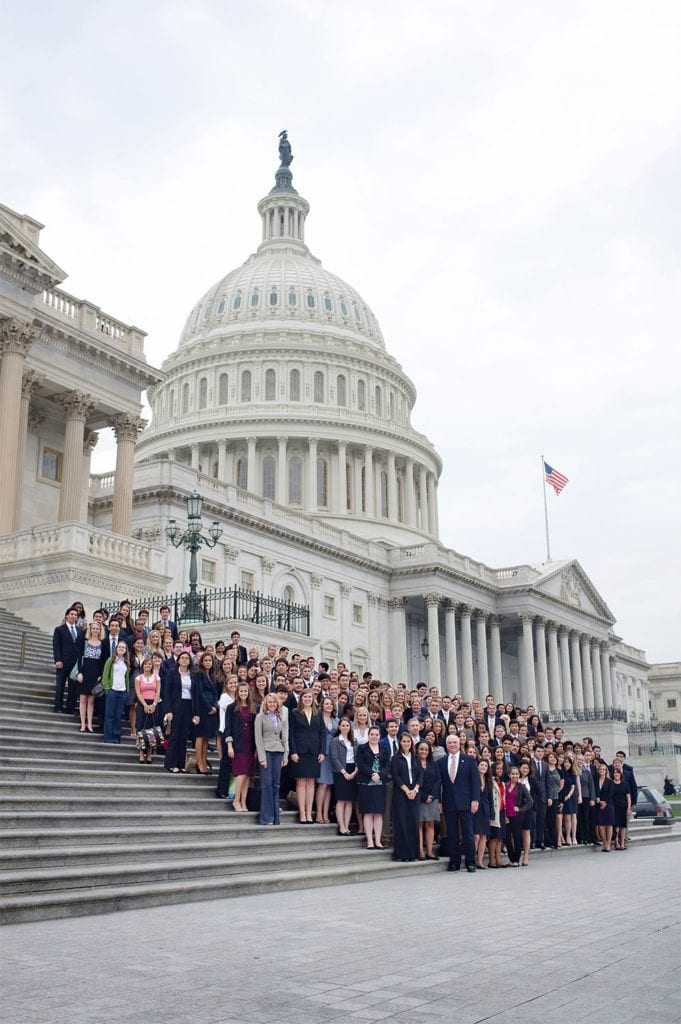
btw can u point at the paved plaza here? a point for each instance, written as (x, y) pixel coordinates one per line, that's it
(581, 937)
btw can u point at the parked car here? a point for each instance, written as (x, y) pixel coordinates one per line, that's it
(651, 804)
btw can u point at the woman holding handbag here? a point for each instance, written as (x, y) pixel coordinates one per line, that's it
(148, 694)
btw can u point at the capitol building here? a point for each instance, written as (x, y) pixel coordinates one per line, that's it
(283, 408)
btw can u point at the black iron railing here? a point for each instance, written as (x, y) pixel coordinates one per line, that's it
(225, 604)
(584, 715)
(660, 727)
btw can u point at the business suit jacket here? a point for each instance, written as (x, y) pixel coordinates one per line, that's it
(267, 737)
(448, 717)
(304, 737)
(385, 743)
(400, 771)
(459, 795)
(173, 694)
(337, 755)
(541, 778)
(234, 727)
(365, 759)
(65, 648)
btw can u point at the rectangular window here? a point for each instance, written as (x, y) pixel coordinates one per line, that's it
(357, 615)
(51, 462)
(209, 570)
(629, 690)
(671, 703)
(329, 606)
(247, 580)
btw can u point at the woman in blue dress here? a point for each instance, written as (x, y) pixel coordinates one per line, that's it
(325, 779)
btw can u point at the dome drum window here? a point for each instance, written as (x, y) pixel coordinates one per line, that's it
(310, 300)
(221, 307)
(270, 386)
(236, 302)
(274, 297)
(292, 298)
(294, 386)
(318, 386)
(246, 386)
(255, 298)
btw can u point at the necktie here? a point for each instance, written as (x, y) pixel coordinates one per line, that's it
(394, 747)
(452, 769)
(73, 632)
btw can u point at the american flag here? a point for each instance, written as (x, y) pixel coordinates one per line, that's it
(553, 477)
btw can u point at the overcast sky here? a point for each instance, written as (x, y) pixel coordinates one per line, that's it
(500, 182)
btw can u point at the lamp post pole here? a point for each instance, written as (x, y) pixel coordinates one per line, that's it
(654, 721)
(192, 538)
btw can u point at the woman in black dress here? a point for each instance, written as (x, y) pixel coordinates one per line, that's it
(90, 665)
(373, 772)
(407, 776)
(343, 753)
(621, 798)
(205, 711)
(483, 816)
(605, 816)
(307, 743)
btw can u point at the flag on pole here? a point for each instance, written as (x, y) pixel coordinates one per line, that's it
(553, 477)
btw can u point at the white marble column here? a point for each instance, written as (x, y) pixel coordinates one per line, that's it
(393, 511)
(596, 673)
(576, 669)
(432, 506)
(564, 634)
(345, 589)
(251, 468)
(481, 643)
(30, 381)
(316, 608)
(434, 673)
(451, 670)
(280, 490)
(587, 678)
(126, 428)
(222, 461)
(497, 680)
(555, 701)
(423, 498)
(399, 670)
(16, 338)
(196, 457)
(467, 653)
(311, 489)
(529, 683)
(409, 492)
(77, 407)
(89, 444)
(356, 466)
(341, 502)
(543, 698)
(369, 481)
(608, 697)
(374, 632)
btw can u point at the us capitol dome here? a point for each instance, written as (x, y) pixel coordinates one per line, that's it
(282, 385)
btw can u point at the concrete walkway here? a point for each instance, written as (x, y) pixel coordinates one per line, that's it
(591, 938)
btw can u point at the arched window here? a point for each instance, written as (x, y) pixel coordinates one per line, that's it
(319, 386)
(355, 310)
(364, 489)
(268, 477)
(310, 300)
(236, 303)
(274, 297)
(294, 386)
(246, 386)
(348, 487)
(379, 402)
(255, 298)
(223, 389)
(185, 398)
(292, 298)
(221, 307)
(203, 393)
(391, 407)
(384, 494)
(341, 396)
(242, 472)
(328, 303)
(343, 307)
(322, 483)
(288, 595)
(171, 403)
(295, 481)
(361, 396)
(270, 385)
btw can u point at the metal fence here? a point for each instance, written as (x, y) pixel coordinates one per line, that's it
(226, 604)
(584, 715)
(660, 727)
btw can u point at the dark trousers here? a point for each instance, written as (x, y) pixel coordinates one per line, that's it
(514, 839)
(539, 822)
(460, 833)
(550, 829)
(224, 772)
(116, 701)
(60, 685)
(176, 754)
(584, 816)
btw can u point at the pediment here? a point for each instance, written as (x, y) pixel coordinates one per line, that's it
(23, 257)
(568, 583)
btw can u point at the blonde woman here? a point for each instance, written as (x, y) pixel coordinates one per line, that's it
(91, 661)
(360, 726)
(154, 644)
(227, 697)
(307, 739)
(271, 744)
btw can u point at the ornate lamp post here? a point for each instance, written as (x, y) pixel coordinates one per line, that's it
(654, 722)
(192, 538)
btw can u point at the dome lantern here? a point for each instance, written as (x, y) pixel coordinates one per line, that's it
(283, 211)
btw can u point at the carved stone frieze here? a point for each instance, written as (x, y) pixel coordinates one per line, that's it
(345, 589)
(267, 565)
(570, 591)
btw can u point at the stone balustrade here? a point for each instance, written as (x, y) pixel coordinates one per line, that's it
(92, 320)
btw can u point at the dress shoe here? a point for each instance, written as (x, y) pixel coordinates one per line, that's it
(470, 869)
(453, 867)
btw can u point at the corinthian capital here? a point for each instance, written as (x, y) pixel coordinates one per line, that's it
(29, 382)
(433, 600)
(127, 427)
(90, 439)
(77, 405)
(17, 335)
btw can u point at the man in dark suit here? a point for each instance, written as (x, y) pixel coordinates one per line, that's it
(541, 771)
(238, 648)
(66, 644)
(460, 798)
(627, 775)
(165, 620)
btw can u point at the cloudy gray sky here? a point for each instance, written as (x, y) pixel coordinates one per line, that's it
(499, 181)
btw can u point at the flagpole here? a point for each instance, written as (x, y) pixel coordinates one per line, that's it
(546, 510)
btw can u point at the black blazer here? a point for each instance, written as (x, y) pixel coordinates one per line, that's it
(365, 759)
(173, 693)
(65, 648)
(466, 789)
(234, 727)
(204, 696)
(400, 771)
(431, 785)
(304, 738)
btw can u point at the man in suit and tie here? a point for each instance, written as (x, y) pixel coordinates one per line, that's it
(539, 811)
(390, 743)
(165, 620)
(66, 645)
(238, 648)
(460, 798)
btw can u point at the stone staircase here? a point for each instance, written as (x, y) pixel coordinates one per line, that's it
(85, 829)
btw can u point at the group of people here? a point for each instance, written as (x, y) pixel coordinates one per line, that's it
(428, 774)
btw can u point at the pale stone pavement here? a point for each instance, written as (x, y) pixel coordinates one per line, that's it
(579, 938)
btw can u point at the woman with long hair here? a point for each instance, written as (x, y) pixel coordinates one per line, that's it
(517, 800)
(239, 740)
(429, 803)
(360, 726)
(153, 644)
(271, 743)
(325, 780)
(407, 775)
(527, 780)
(179, 689)
(148, 695)
(621, 799)
(567, 807)
(605, 816)
(116, 684)
(90, 666)
(482, 817)
(554, 783)
(497, 821)
(227, 697)
(261, 688)
(307, 744)
(343, 752)
(373, 772)
(205, 708)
